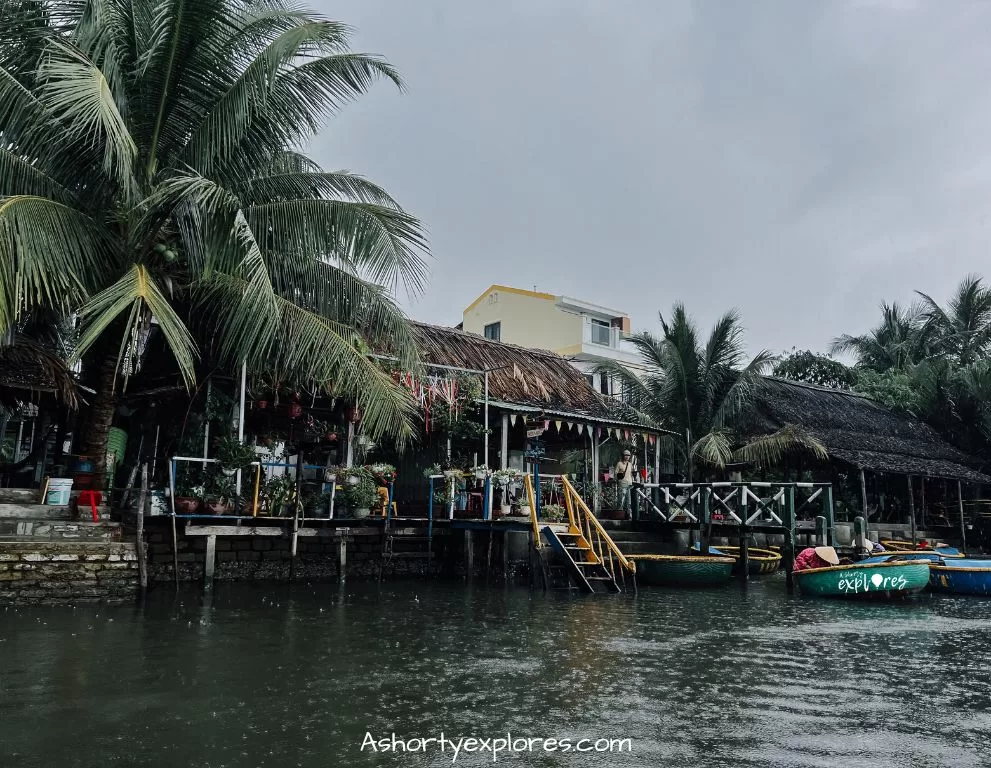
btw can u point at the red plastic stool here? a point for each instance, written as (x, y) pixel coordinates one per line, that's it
(94, 499)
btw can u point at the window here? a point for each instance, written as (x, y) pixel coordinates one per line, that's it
(591, 380)
(604, 383)
(493, 331)
(601, 332)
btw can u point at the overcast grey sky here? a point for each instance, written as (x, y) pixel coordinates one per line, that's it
(799, 160)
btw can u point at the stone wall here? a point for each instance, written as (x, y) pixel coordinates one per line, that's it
(67, 571)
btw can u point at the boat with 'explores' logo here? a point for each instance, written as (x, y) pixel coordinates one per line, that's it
(880, 579)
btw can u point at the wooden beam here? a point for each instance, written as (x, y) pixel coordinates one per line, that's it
(963, 522)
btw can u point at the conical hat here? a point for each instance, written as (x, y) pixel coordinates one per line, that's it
(828, 554)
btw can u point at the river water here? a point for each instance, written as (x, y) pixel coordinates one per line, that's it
(297, 676)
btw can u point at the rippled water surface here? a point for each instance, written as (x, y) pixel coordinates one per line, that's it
(278, 676)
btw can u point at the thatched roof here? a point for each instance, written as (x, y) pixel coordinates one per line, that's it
(859, 431)
(526, 380)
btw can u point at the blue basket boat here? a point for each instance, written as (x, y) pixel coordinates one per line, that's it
(961, 577)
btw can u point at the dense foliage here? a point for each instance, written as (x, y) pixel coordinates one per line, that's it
(932, 361)
(152, 186)
(702, 390)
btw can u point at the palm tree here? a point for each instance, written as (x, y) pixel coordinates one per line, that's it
(702, 392)
(898, 342)
(962, 330)
(151, 184)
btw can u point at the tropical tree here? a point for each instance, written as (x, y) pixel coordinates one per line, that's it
(821, 370)
(152, 187)
(899, 341)
(703, 392)
(962, 330)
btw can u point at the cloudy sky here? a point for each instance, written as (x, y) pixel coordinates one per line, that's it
(800, 161)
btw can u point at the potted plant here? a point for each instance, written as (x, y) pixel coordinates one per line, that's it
(480, 471)
(233, 455)
(279, 492)
(361, 496)
(188, 490)
(334, 473)
(553, 513)
(218, 493)
(383, 473)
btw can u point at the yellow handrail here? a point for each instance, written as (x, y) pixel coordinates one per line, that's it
(528, 484)
(593, 524)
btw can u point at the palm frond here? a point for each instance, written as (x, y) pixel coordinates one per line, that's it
(767, 450)
(138, 295)
(77, 94)
(714, 448)
(47, 249)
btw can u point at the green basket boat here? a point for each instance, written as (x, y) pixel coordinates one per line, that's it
(760, 561)
(865, 581)
(682, 570)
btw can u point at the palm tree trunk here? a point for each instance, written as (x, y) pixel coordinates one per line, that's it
(100, 418)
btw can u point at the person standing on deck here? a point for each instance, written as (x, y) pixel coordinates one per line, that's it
(625, 473)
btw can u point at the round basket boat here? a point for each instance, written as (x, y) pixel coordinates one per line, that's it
(961, 577)
(760, 561)
(887, 580)
(899, 546)
(682, 570)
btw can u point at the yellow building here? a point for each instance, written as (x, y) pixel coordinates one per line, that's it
(584, 333)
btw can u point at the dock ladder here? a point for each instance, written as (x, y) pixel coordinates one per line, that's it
(592, 559)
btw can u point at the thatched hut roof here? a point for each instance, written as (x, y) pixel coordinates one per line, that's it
(526, 380)
(859, 431)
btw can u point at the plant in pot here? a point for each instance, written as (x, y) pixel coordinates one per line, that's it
(553, 513)
(383, 473)
(218, 495)
(233, 455)
(361, 496)
(480, 472)
(335, 474)
(279, 493)
(189, 490)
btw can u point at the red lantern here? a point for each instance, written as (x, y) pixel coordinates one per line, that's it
(354, 414)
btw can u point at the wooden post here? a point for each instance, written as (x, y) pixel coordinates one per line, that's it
(911, 509)
(342, 556)
(820, 531)
(863, 495)
(706, 521)
(744, 553)
(859, 532)
(140, 535)
(829, 511)
(488, 557)
(504, 447)
(469, 554)
(963, 522)
(596, 500)
(210, 562)
(505, 556)
(922, 500)
(788, 553)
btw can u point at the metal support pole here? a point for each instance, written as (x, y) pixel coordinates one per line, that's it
(140, 535)
(206, 424)
(744, 553)
(485, 454)
(240, 417)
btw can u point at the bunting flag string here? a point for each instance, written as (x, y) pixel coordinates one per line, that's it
(512, 419)
(558, 425)
(581, 429)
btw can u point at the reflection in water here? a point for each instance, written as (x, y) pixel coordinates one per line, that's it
(278, 676)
